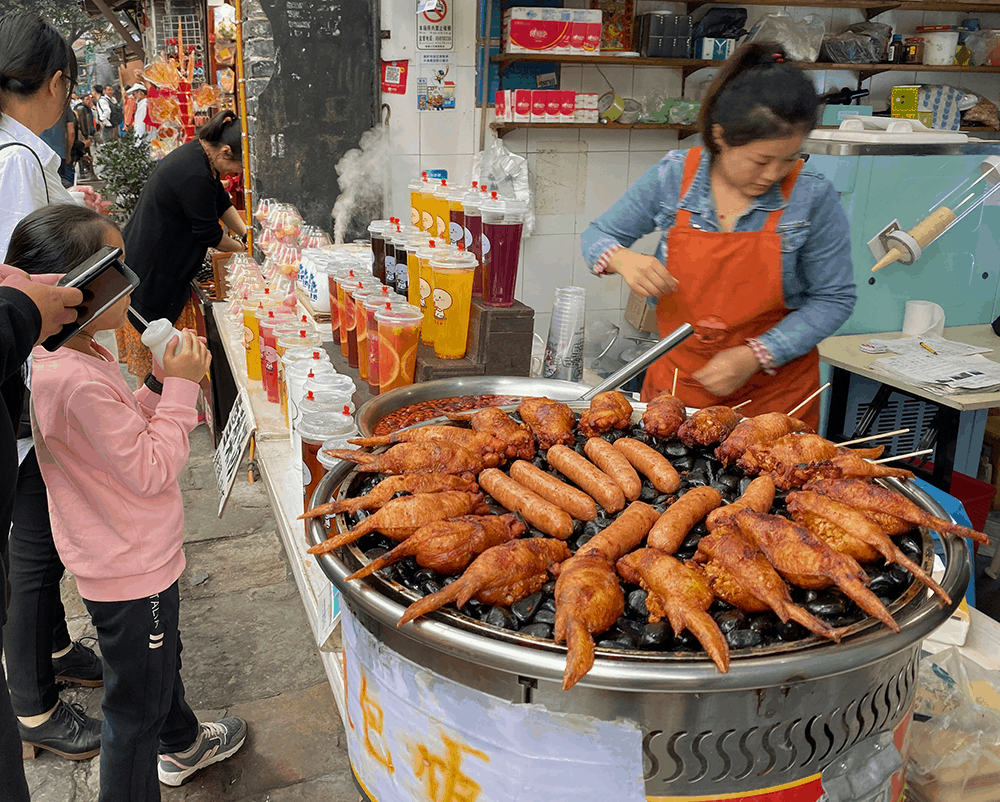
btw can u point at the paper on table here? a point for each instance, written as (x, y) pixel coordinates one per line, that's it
(911, 345)
(941, 374)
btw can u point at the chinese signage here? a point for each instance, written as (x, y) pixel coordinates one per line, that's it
(434, 25)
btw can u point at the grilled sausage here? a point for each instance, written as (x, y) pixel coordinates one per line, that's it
(575, 502)
(588, 477)
(545, 517)
(623, 534)
(650, 463)
(615, 465)
(759, 496)
(669, 532)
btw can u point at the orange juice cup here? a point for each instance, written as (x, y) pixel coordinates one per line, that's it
(267, 321)
(442, 215)
(251, 337)
(361, 295)
(413, 277)
(452, 295)
(398, 337)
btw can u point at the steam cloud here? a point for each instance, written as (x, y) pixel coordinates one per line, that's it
(363, 175)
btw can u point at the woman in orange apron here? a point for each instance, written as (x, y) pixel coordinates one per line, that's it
(756, 250)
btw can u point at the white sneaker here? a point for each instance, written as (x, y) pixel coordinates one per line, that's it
(216, 742)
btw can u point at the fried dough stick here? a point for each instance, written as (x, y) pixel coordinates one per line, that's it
(518, 564)
(449, 546)
(739, 573)
(851, 532)
(808, 562)
(430, 457)
(888, 508)
(401, 517)
(412, 483)
(488, 448)
(680, 592)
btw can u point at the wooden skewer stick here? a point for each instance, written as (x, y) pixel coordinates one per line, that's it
(810, 398)
(873, 437)
(673, 387)
(904, 456)
(738, 406)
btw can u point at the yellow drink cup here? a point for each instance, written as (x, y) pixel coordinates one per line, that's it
(416, 187)
(426, 285)
(413, 277)
(452, 297)
(427, 210)
(442, 215)
(251, 337)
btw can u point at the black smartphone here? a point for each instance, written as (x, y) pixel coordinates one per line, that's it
(104, 280)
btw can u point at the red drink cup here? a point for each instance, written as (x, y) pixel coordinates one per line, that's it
(267, 321)
(503, 222)
(398, 337)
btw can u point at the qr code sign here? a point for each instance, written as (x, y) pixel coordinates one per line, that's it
(393, 75)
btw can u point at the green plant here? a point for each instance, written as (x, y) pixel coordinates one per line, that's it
(124, 164)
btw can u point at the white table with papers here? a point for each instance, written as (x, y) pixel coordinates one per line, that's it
(962, 415)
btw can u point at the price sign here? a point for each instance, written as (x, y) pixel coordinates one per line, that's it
(434, 25)
(232, 445)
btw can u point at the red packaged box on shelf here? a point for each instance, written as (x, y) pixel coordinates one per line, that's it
(567, 106)
(539, 105)
(500, 106)
(537, 30)
(521, 105)
(585, 32)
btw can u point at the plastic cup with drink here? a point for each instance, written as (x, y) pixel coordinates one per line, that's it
(314, 430)
(267, 321)
(453, 276)
(398, 337)
(503, 223)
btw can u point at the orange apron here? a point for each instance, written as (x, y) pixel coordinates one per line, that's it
(729, 289)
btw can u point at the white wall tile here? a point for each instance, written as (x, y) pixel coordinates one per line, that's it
(516, 141)
(650, 82)
(399, 18)
(542, 320)
(605, 140)
(571, 77)
(403, 170)
(542, 137)
(619, 77)
(464, 28)
(458, 165)
(549, 224)
(447, 132)
(548, 263)
(652, 141)
(404, 122)
(607, 180)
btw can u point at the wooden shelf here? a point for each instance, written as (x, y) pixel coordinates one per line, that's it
(691, 65)
(502, 129)
(873, 7)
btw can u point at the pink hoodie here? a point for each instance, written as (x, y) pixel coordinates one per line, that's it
(110, 460)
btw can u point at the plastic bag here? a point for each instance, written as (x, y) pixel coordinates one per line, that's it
(955, 735)
(863, 43)
(721, 23)
(800, 40)
(507, 174)
(985, 48)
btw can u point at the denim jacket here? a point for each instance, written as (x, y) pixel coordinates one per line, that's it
(817, 274)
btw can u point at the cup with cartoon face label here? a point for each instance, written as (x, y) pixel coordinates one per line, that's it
(452, 299)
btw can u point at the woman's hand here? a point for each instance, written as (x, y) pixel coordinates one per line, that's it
(189, 361)
(644, 274)
(728, 371)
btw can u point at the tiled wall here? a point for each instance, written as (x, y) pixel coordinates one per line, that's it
(576, 175)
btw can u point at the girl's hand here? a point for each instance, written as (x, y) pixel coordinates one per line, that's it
(728, 371)
(189, 361)
(644, 274)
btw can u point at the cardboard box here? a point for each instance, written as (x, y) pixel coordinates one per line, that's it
(656, 35)
(539, 104)
(500, 106)
(521, 111)
(585, 108)
(616, 23)
(537, 30)
(553, 105)
(585, 32)
(567, 105)
(714, 49)
(639, 313)
(904, 99)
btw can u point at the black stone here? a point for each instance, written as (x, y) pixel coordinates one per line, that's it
(500, 617)
(685, 641)
(637, 602)
(375, 553)
(549, 587)
(424, 574)
(629, 627)
(591, 528)
(537, 630)
(429, 587)
(527, 607)
(790, 631)
(762, 622)
(540, 462)
(649, 493)
(745, 483)
(614, 434)
(827, 605)
(544, 616)
(884, 584)
(549, 604)
(655, 636)
(731, 620)
(909, 546)
(690, 543)
(674, 450)
(697, 478)
(400, 494)
(744, 638)
(682, 463)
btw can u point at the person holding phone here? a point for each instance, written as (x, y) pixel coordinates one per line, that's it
(755, 251)
(37, 74)
(175, 222)
(111, 460)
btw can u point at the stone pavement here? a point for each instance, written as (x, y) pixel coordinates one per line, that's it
(248, 651)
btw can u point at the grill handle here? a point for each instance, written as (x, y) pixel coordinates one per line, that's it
(637, 365)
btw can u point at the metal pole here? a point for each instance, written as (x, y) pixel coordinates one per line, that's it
(241, 100)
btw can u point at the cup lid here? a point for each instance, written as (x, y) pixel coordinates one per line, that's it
(377, 226)
(399, 313)
(331, 381)
(302, 352)
(303, 337)
(267, 315)
(324, 425)
(459, 260)
(433, 247)
(301, 368)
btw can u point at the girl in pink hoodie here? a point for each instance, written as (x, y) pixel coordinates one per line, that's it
(110, 459)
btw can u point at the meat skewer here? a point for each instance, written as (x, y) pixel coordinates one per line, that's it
(413, 483)
(739, 573)
(759, 430)
(709, 425)
(807, 400)
(680, 592)
(401, 517)
(490, 449)
(449, 546)
(888, 508)
(430, 457)
(493, 420)
(549, 421)
(799, 457)
(851, 532)
(674, 525)
(808, 562)
(664, 416)
(610, 410)
(519, 564)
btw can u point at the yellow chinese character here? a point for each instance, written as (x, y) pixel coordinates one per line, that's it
(373, 718)
(442, 775)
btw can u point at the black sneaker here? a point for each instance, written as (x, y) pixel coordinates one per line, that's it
(80, 665)
(70, 733)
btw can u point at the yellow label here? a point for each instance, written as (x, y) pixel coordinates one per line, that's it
(452, 295)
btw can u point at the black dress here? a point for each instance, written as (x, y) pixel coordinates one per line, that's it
(175, 222)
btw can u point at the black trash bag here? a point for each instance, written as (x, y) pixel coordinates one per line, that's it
(721, 23)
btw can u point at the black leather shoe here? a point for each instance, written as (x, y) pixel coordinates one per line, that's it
(80, 665)
(70, 733)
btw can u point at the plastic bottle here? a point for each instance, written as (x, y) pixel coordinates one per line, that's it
(157, 335)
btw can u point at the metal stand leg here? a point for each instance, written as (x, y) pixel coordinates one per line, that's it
(878, 403)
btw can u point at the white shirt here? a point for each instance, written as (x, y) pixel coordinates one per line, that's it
(104, 111)
(139, 125)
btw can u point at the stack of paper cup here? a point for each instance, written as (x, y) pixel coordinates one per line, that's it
(564, 349)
